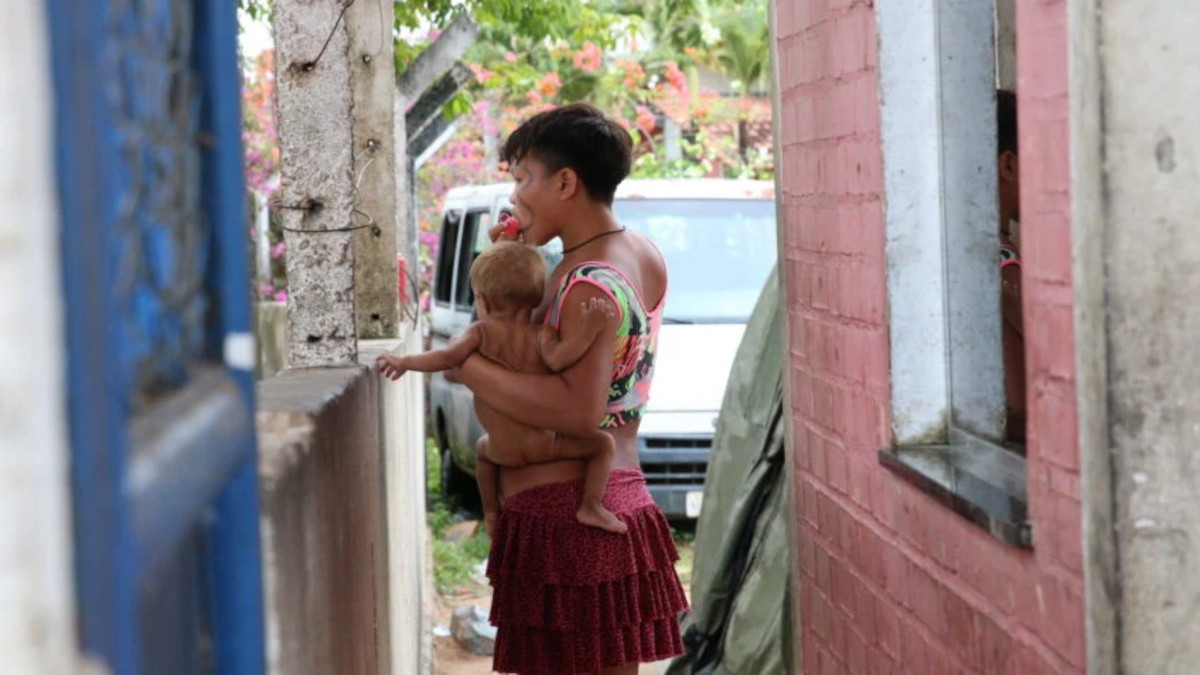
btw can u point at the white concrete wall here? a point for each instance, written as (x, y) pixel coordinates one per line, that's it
(37, 615)
(1135, 139)
(403, 417)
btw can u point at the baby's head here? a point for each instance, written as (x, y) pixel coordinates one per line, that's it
(508, 277)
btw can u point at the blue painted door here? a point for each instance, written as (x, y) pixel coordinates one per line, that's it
(158, 321)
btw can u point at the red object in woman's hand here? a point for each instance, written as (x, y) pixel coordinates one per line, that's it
(512, 226)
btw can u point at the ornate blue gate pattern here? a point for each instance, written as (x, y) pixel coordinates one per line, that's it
(165, 486)
(153, 94)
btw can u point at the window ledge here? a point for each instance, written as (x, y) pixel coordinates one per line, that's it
(981, 481)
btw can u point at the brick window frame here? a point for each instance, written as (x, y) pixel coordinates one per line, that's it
(938, 135)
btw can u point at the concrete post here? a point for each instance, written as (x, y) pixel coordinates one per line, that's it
(418, 76)
(1135, 160)
(315, 112)
(437, 58)
(373, 82)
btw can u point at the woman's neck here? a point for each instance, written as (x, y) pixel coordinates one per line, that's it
(594, 220)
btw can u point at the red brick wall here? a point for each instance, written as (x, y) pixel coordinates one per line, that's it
(892, 582)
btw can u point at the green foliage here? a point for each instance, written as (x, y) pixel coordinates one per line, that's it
(744, 53)
(256, 9)
(651, 165)
(457, 106)
(453, 563)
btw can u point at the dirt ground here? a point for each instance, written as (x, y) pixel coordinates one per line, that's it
(451, 659)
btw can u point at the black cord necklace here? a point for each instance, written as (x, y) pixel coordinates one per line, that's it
(576, 247)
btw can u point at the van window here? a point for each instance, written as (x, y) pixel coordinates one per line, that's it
(447, 245)
(474, 240)
(719, 253)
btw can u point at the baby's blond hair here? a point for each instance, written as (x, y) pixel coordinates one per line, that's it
(510, 275)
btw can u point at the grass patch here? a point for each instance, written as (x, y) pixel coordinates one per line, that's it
(685, 540)
(454, 563)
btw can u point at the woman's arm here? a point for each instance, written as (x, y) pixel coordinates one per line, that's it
(572, 402)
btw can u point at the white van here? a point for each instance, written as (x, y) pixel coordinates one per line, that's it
(718, 239)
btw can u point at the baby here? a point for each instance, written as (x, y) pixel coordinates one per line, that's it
(508, 280)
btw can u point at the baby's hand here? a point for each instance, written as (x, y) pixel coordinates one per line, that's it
(597, 312)
(392, 367)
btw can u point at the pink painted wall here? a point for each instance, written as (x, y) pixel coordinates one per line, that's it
(892, 582)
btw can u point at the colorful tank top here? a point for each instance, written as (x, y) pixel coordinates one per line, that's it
(637, 339)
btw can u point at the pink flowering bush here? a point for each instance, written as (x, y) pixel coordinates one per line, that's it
(260, 140)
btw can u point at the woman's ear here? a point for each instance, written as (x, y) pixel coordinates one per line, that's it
(567, 183)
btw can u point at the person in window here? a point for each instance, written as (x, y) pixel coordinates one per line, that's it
(1009, 190)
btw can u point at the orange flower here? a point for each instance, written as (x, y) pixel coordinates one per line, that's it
(634, 74)
(549, 84)
(676, 77)
(645, 119)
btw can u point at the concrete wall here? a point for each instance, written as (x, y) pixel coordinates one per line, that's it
(324, 528)
(1137, 143)
(402, 412)
(37, 609)
(892, 581)
(270, 332)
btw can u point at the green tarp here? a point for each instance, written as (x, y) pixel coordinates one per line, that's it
(740, 623)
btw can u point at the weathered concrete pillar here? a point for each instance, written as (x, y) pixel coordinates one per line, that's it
(1135, 163)
(315, 112)
(373, 82)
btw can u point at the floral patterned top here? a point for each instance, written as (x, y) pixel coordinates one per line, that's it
(637, 338)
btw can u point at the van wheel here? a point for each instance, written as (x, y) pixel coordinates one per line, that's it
(454, 481)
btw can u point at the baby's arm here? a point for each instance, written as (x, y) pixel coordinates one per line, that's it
(560, 353)
(393, 367)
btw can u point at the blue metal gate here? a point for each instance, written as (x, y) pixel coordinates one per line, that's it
(160, 351)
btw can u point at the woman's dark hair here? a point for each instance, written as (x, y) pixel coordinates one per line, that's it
(578, 137)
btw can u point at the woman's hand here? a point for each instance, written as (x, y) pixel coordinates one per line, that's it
(508, 229)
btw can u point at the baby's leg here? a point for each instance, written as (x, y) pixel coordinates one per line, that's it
(597, 448)
(487, 476)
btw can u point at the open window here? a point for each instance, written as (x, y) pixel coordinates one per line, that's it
(473, 241)
(443, 285)
(941, 63)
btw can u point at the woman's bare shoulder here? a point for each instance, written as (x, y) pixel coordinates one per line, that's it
(651, 269)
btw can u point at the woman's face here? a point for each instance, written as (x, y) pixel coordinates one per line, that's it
(537, 201)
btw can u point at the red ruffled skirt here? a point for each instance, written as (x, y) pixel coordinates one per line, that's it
(571, 599)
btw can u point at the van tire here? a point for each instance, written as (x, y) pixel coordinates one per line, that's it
(453, 478)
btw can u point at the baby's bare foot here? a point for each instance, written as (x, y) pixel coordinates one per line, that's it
(598, 516)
